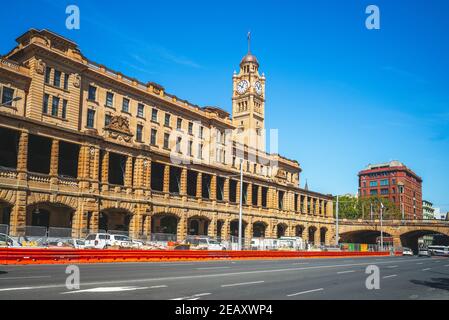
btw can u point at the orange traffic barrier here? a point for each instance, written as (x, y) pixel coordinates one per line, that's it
(72, 256)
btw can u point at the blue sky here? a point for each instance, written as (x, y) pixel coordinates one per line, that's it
(342, 96)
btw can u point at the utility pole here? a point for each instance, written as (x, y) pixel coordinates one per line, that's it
(337, 236)
(381, 227)
(241, 207)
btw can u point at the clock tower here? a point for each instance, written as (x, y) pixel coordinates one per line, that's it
(248, 102)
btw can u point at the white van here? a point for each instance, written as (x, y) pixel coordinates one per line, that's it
(105, 241)
(204, 243)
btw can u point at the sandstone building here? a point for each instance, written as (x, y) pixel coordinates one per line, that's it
(84, 148)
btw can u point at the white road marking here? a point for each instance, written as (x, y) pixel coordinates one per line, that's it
(447, 265)
(111, 289)
(190, 277)
(241, 284)
(392, 267)
(212, 268)
(18, 278)
(390, 276)
(420, 263)
(304, 292)
(193, 297)
(300, 263)
(343, 272)
(427, 269)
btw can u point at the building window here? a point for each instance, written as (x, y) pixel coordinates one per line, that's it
(178, 144)
(64, 109)
(201, 132)
(384, 183)
(200, 151)
(154, 115)
(139, 133)
(189, 148)
(167, 120)
(47, 75)
(55, 106)
(7, 96)
(109, 99)
(66, 81)
(45, 105)
(190, 128)
(153, 137)
(107, 120)
(92, 94)
(373, 184)
(166, 140)
(384, 191)
(140, 110)
(57, 79)
(125, 105)
(90, 118)
(179, 124)
(373, 192)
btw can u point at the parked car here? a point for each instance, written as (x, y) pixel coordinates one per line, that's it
(407, 252)
(424, 252)
(77, 243)
(7, 241)
(204, 243)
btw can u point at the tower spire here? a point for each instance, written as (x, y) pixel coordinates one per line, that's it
(249, 41)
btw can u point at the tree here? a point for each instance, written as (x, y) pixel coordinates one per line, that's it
(364, 208)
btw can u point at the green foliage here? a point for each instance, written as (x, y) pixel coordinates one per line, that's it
(357, 208)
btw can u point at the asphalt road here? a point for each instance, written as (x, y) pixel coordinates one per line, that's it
(343, 278)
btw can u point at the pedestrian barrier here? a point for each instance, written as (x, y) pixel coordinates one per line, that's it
(72, 256)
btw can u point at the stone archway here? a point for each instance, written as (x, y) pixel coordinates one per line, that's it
(234, 229)
(198, 226)
(323, 235)
(299, 231)
(164, 227)
(5, 216)
(411, 239)
(259, 229)
(311, 234)
(52, 219)
(281, 230)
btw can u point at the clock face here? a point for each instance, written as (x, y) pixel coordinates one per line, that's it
(258, 87)
(242, 86)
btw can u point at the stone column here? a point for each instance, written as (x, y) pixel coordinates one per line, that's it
(226, 190)
(22, 153)
(183, 190)
(249, 196)
(129, 172)
(138, 173)
(259, 196)
(166, 188)
(305, 205)
(147, 174)
(147, 226)
(105, 168)
(213, 187)
(181, 233)
(212, 228)
(18, 215)
(330, 209)
(199, 185)
(248, 234)
(54, 158)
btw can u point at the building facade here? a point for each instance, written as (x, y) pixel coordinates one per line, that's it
(428, 210)
(393, 180)
(85, 148)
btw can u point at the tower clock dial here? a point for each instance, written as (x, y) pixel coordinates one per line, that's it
(242, 86)
(258, 87)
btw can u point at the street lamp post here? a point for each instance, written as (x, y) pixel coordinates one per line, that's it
(241, 207)
(381, 227)
(11, 101)
(337, 235)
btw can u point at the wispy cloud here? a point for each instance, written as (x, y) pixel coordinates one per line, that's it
(405, 74)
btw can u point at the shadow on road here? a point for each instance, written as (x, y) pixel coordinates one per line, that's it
(436, 283)
(3, 272)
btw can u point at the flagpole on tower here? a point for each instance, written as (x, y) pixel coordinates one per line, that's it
(381, 227)
(249, 41)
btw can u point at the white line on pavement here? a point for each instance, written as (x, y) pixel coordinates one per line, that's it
(390, 276)
(392, 267)
(304, 292)
(420, 263)
(427, 269)
(212, 268)
(241, 284)
(190, 277)
(18, 278)
(447, 265)
(300, 263)
(193, 297)
(343, 272)
(112, 289)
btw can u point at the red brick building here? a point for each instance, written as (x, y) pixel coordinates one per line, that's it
(393, 180)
